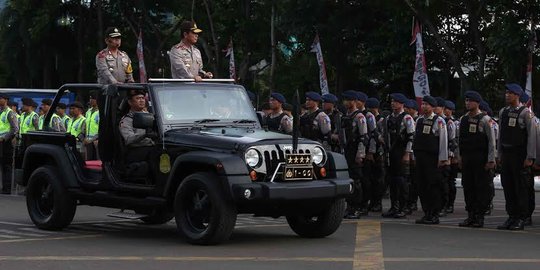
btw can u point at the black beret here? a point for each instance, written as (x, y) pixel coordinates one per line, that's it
(46, 101)
(13, 103)
(279, 97)
(287, 107)
(372, 103)
(28, 102)
(399, 97)
(473, 95)
(441, 102)
(62, 105)
(76, 104)
(430, 100)
(4, 96)
(313, 96)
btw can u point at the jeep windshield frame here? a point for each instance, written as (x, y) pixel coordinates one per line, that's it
(202, 104)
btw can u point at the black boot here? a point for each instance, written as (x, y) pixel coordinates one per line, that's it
(519, 225)
(506, 225)
(528, 221)
(449, 209)
(390, 213)
(353, 214)
(478, 221)
(468, 221)
(376, 207)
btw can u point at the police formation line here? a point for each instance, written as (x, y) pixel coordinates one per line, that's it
(419, 156)
(14, 123)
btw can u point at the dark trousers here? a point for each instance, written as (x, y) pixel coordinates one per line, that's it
(413, 185)
(429, 180)
(91, 151)
(354, 201)
(516, 182)
(399, 187)
(475, 182)
(532, 197)
(445, 187)
(7, 165)
(452, 185)
(147, 154)
(367, 183)
(377, 176)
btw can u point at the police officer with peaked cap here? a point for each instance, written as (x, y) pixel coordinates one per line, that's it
(431, 153)
(517, 151)
(186, 59)
(477, 158)
(399, 139)
(113, 65)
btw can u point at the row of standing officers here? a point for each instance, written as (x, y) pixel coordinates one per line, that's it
(13, 124)
(419, 156)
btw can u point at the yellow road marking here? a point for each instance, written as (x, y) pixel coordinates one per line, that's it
(368, 252)
(50, 238)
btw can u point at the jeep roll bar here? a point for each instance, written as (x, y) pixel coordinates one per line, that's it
(163, 80)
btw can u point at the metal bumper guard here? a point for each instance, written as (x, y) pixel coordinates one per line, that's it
(293, 190)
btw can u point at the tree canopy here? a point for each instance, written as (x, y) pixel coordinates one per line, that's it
(470, 44)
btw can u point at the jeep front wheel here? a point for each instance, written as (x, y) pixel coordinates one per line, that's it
(49, 204)
(320, 225)
(203, 215)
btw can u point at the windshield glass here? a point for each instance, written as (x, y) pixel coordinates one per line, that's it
(182, 104)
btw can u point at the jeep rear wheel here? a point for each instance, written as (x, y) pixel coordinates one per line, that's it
(203, 216)
(321, 225)
(49, 204)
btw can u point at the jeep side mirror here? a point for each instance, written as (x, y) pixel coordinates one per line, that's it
(143, 120)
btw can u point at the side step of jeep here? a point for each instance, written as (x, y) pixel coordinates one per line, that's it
(126, 215)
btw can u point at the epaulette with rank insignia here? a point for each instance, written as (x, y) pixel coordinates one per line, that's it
(102, 53)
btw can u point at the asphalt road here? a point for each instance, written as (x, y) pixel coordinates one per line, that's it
(95, 241)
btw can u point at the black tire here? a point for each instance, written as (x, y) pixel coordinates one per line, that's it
(203, 215)
(49, 204)
(159, 216)
(321, 225)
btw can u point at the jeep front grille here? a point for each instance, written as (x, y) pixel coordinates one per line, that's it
(275, 154)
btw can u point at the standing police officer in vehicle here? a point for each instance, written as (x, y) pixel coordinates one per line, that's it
(278, 121)
(477, 157)
(355, 140)
(186, 59)
(517, 151)
(314, 124)
(113, 65)
(9, 127)
(431, 153)
(399, 137)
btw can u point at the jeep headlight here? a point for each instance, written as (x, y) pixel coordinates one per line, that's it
(253, 158)
(317, 155)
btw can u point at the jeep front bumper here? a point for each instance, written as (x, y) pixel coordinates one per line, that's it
(292, 190)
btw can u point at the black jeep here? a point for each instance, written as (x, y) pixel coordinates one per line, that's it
(212, 162)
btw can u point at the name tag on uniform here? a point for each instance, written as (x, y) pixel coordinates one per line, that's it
(427, 130)
(472, 128)
(512, 122)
